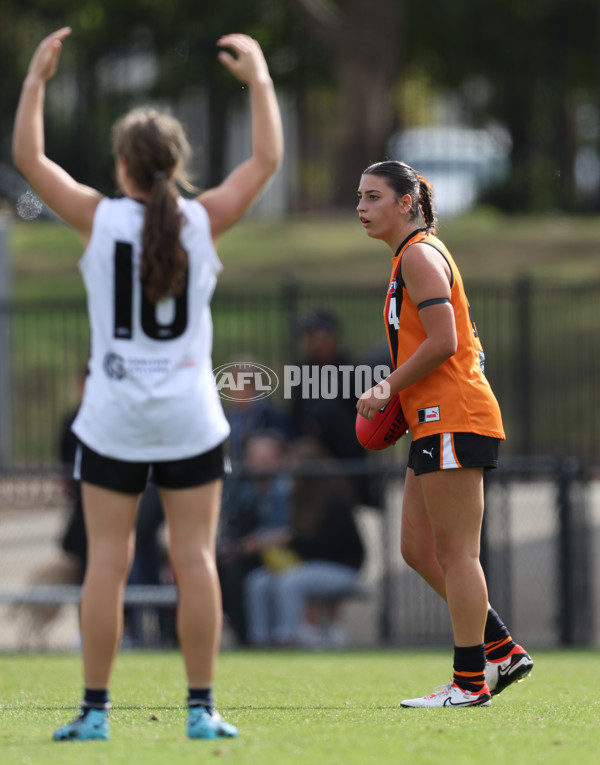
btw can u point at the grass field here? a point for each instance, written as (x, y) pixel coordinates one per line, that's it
(338, 708)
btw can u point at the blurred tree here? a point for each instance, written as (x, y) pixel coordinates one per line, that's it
(364, 41)
(119, 55)
(537, 60)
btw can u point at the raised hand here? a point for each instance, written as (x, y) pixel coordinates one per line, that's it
(248, 64)
(45, 59)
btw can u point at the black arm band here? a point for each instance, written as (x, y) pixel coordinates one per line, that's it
(433, 301)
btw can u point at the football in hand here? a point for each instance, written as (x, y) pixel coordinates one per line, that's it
(388, 425)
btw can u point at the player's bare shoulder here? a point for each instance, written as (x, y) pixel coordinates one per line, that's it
(421, 261)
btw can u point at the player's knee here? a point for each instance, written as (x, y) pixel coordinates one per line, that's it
(191, 557)
(415, 556)
(452, 554)
(114, 562)
(409, 556)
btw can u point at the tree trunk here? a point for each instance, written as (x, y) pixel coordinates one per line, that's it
(365, 41)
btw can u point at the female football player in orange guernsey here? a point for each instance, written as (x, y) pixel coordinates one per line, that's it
(456, 426)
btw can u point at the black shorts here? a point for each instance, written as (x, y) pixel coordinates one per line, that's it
(132, 477)
(444, 451)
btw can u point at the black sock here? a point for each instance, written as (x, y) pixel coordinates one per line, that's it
(469, 666)
(96, 699)
(497, 638)
(201, 697)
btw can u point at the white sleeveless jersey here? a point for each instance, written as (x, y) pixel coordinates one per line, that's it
(150, 394)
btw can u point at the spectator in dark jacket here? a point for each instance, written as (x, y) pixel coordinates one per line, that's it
(256, 506)
(318, 557)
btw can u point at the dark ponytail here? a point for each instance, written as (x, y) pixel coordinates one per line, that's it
(156, 152)
(164, 261)
(404, 179)
(426, 205)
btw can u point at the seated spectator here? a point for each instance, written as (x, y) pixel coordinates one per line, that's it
(256, 505)
(318, 557)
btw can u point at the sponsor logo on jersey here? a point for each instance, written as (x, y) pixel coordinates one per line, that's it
(430, 414)
(114, 366)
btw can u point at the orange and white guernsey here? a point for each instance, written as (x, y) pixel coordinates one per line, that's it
(456, 397)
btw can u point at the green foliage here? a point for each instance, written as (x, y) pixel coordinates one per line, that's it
(531, 60)
(180, 36)
(306, 708)
(529, 66)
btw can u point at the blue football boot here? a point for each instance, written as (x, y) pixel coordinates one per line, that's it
(203, 724)
(91, 724)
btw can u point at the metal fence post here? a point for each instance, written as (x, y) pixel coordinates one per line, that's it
(289, 301)
(564, 556)
(523, 372)
(5, 358)
(573, 556)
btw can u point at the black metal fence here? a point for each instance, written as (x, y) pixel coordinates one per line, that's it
(542, 343)
(539, 548)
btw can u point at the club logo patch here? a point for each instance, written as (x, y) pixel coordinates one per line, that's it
(114, 366)
(430, 414)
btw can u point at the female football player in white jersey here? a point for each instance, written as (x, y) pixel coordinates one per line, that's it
(150, 401)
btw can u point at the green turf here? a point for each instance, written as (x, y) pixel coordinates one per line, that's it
(305, 708)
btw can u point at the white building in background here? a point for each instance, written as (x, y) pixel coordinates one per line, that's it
(459, 161)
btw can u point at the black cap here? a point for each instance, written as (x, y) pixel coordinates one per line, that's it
(318, 321)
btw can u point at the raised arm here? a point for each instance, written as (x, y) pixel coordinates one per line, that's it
(227, 202)
(72, 201)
